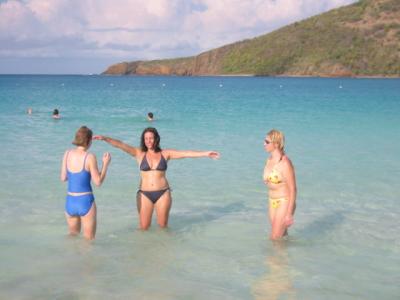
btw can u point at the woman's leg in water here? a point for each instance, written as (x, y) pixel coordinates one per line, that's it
(145, 209)
(163, 206)
(279, 228)
(74, 224)
(89, 223)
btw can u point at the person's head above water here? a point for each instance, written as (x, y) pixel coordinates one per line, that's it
(276, 138)
(150, 139)
(83, 137)
(56, 114)
(150, 116)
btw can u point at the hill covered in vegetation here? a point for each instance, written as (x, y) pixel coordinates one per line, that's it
(362, 39)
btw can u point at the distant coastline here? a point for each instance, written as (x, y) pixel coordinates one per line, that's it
(254, 75)
(355, 41)
(216, 75)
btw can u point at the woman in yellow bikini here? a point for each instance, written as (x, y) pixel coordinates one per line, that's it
(281, 181)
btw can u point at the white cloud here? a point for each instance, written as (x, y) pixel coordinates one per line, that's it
(139, 29)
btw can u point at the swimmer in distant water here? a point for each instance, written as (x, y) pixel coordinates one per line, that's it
(56, 114)
(150, 116)
(154, 191)
(79, 167)
(280, 178)
(29, 111)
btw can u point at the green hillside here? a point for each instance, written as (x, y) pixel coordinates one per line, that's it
(362, 39)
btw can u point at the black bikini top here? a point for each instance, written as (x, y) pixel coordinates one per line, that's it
(162, 165)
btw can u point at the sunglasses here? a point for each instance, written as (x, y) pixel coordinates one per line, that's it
(267, 142)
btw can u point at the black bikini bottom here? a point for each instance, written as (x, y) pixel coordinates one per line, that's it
(153, 195)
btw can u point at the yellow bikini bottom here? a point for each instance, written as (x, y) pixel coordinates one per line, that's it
(276, 202)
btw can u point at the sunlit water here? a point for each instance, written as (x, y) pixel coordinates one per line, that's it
(343, 136)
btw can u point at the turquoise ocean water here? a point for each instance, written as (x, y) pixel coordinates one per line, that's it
(343, 136)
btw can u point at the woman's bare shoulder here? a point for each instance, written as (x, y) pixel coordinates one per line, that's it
(167, 153)
(286, 161)
(91, 156)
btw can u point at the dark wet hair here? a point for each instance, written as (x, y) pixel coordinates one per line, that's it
(83, 137)
(156, 140)
(55, 112)
(150, 114)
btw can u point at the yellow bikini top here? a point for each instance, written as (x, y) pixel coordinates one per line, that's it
(274, 176)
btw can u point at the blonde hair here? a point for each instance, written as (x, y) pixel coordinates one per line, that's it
(277, 137)
(83, 137)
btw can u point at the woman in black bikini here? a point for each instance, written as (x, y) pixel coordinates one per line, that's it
(154, 191)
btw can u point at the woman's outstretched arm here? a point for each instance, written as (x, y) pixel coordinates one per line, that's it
(176, 154)
(118, 144)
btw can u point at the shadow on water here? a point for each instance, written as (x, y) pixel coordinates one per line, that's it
(318, 228)
(322, 226)
(180, 221)
(186, 220)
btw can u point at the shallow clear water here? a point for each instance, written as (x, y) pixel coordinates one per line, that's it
(343, 136)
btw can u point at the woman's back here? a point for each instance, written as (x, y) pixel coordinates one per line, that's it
(75, 160)
(77, 172)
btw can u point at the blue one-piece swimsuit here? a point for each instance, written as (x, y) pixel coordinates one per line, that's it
(79, 182)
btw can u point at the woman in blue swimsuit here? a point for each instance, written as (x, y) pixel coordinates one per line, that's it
(154, 191)
(79, 167)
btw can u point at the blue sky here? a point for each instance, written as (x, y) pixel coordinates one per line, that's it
(86, 36)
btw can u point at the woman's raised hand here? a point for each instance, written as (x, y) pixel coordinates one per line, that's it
(213, 154)
(106, 158)
(98, 137)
